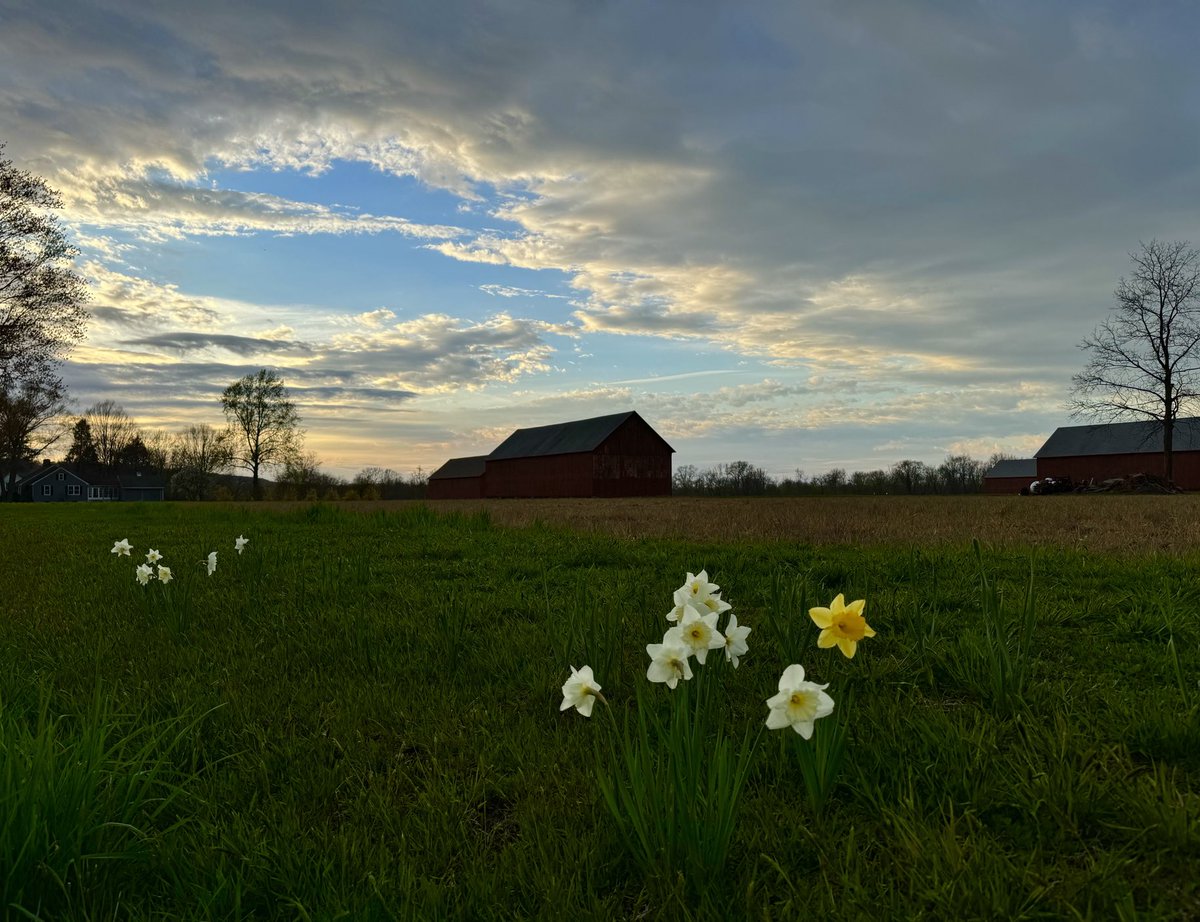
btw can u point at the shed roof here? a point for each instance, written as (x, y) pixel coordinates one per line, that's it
(1143, 437)
(564, 438)
(460, 467)
(1014, 467)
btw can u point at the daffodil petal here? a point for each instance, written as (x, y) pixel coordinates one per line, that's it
(857, 606)
(777, 719)
(822, 617)
(868, 631)
(847, 646)
(826, 640)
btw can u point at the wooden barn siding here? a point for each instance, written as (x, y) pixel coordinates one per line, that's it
(1102, 467)
(547, 476)
(633, 461)
(456, 488)
(1006, 485)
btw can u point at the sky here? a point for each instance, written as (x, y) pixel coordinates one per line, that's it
(801, 234)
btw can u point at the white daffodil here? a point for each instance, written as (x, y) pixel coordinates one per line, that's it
(699, 632)
(144, 573)
(212, 562)
(735, 640)
(695, 590)
(669, 661)
(240, 543)
(164, 574)
(715, 604)
(122, 548)
(153, 556)
(580, 691)
(799, 704)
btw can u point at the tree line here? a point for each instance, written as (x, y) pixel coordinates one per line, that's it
(200, 462)
(956, 475)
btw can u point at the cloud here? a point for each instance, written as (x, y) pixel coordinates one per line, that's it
(510, 291)
(922, 206)
(157, 208)
(244, 346)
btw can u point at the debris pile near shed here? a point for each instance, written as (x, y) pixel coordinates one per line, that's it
(1134, 483)
(1131, 483)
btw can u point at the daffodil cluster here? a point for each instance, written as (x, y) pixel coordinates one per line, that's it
(698, 605)
(153, 569)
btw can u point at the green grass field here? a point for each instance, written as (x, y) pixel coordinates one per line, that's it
(359, 718)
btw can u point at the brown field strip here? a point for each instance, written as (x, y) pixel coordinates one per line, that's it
(1101, 523)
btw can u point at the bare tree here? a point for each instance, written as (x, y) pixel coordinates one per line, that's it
(263, 421)
(961, 474)
(909, 475)
(42, 311)
(302, 478)
(1145, 357)
(198, 453)
(112, 430)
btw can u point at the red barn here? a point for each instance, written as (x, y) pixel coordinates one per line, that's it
(618, 455)
(1100, 452)
(458, 478)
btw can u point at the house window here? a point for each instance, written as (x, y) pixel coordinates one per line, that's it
(47, 489)
(62, 476)
(102, 492)
(72, 489)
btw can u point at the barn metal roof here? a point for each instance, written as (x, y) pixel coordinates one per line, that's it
(460, 467)
(562, 438)
(1120, 439)
(1014, 467)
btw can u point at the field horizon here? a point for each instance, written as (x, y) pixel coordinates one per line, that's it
(1099, 523)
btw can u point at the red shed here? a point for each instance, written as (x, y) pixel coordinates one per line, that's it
(618, 455)
(1010, 475)
(1120, 449)
(458, 478)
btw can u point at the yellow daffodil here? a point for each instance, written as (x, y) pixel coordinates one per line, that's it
(841, 625)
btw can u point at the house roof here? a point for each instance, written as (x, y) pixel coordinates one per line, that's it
(564, 438)
(25, 474)
(460, 467)
(95, 475)
(1120, 439)
(45, 470)
(1014, 467)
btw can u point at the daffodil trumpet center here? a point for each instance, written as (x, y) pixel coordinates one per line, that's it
(802, 705)
(848, 625)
